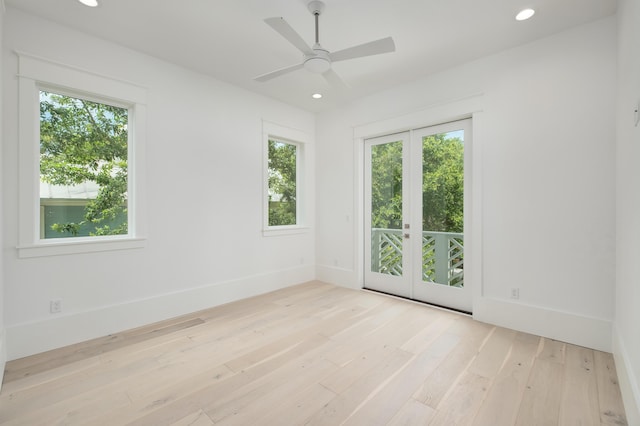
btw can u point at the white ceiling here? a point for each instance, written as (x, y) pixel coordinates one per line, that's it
(228, 39)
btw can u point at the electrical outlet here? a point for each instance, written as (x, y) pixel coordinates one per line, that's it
(515, 293)
(55, 306)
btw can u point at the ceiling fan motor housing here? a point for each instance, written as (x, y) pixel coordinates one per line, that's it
(318, 63)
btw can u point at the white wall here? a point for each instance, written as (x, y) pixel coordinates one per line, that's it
(204, 202)
(546, 141)
(626, 344)
(3, 347)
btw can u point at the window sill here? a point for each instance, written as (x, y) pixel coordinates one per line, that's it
(59, 248)
(284, 230)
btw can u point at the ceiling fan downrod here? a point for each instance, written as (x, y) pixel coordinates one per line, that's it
(316, 7)
(319, 62)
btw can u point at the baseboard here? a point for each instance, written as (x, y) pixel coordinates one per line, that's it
(3, 355)
(40, 336)
(337, 276)
(629, 383)
(568, 327)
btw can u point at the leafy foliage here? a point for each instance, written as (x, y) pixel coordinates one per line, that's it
(386, 186)
(442, 185)
(83, 141)
(282, 183)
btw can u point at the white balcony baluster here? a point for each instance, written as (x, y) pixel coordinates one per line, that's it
(442, 255)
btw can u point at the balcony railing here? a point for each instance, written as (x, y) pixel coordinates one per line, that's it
(442, 255)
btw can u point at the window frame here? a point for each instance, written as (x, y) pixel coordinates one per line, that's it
(300, 140)
(36, 74)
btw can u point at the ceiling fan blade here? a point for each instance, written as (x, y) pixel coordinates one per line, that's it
(277, 73)
(285, 30)
(384, 45)
(335, 80)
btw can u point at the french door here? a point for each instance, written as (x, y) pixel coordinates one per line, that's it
(415, 203)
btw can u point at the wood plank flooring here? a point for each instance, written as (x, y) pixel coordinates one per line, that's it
(315, 354)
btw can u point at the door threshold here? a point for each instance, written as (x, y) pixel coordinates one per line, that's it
(433, 305)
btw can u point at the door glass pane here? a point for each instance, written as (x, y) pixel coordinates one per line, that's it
(386, 208)
(442, 208)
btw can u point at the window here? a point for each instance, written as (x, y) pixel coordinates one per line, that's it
(285, 180)
(283, 185)
(81, 161)
(83, 167)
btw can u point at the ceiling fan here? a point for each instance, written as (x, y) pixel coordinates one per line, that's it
(317, 59)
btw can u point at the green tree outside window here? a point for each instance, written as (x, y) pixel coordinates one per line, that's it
(282, 183)
(442, 184)
(86, 142)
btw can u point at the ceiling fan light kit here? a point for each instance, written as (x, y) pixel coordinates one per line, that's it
(316, 59)
(319, 63)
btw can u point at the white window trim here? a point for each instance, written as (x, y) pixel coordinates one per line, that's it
(34, 74)
(301, 140)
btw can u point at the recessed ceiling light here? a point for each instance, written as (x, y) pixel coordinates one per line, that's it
(525, 14)
(90, 3)
(316, 95)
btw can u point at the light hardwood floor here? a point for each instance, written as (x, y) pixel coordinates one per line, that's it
(315, 354)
